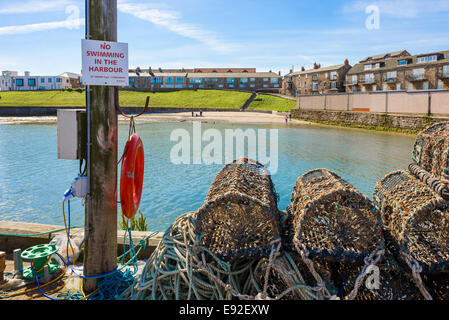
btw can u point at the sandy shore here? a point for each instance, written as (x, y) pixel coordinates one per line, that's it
(208, 117)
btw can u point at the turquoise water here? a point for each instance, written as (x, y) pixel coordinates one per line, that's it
(33, 180)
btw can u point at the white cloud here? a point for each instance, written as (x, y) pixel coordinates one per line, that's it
(171, 20)
(29, 28)
(35, 6)
(400, 8)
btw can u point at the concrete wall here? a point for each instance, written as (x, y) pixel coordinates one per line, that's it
(437, 102)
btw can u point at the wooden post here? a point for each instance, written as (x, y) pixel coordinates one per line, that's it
(101, 209)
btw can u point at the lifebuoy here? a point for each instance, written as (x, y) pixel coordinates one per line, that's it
(131, 178)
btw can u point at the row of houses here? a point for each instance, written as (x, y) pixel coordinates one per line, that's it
(12, 81)
(247, 79)
(398, 71)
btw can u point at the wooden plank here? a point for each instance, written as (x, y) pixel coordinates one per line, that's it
(101, 244)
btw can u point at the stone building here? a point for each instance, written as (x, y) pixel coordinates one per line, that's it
(400, 71)
(317, 80)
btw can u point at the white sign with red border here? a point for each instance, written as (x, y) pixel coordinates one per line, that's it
(104, 63)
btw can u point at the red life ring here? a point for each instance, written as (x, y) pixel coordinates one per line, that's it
(131, 178)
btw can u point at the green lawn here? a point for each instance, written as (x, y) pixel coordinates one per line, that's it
(267, 102)
(186, 99)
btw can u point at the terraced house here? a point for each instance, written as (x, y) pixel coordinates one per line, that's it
(247, 79)
(400, 71)
(317, 80)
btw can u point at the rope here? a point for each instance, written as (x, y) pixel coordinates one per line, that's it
(178, 270)
(416, 269)
(371, 260)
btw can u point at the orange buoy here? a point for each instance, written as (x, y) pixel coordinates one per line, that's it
(131, 179)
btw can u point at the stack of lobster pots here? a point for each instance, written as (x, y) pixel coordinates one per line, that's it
(414, 209)
(240, 217)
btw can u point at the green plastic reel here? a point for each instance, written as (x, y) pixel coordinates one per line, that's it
(38, 256)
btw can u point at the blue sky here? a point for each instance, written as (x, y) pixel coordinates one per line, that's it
(43, 36)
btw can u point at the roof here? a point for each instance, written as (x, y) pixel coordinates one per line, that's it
(325, 69)
(158, 74)
(383, 56)
(70, 75)
(234, 75)
(392, 64)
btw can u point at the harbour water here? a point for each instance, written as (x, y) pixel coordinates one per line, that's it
(33, 180)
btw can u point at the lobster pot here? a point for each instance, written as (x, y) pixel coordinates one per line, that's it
(431, 151)
(333, 220)
(416, 217)
(239, 218)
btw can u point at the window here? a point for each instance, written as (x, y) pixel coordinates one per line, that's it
(353, 79)
(333, 75)
(42, 80)
(402, 62)
(207, 80)
(242, 85)
(31, 82)
(130, 80)
(215, 80)
(179, 80)
(265, 85)
(156, 80)
(385, 87)
(231, 86)
(418, 74)
(440, 84)
(221, 86)
(169, 80)
(274, 80)
(426, 85)
(252, 79)
(410, 87)
(19, 82)
(446, 71)
(244, 80)
(196, 80)
(374, 87)
(392, 74)
(50, 80)
(398, 86)
(427, 59)
(368, 67)
(369, 78)
(58, 79)
(252, 85)
(265, 79)
(230, 80)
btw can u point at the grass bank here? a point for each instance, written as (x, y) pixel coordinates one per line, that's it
(206, 99)
(268, 102)
(178, 99)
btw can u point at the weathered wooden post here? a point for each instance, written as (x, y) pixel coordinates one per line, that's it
(101, 208)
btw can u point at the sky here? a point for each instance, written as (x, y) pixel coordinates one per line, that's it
(44, 36)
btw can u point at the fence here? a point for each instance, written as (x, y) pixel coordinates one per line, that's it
(420, 102)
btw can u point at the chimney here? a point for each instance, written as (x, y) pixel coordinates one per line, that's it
(303, 69)
(279, 73)
(347, 62)
(315, 66)
(27, 73)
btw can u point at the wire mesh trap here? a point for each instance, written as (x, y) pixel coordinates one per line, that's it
(239, 218)
(332, 219)
(417, 218)
(335, 226)
(431, 151)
